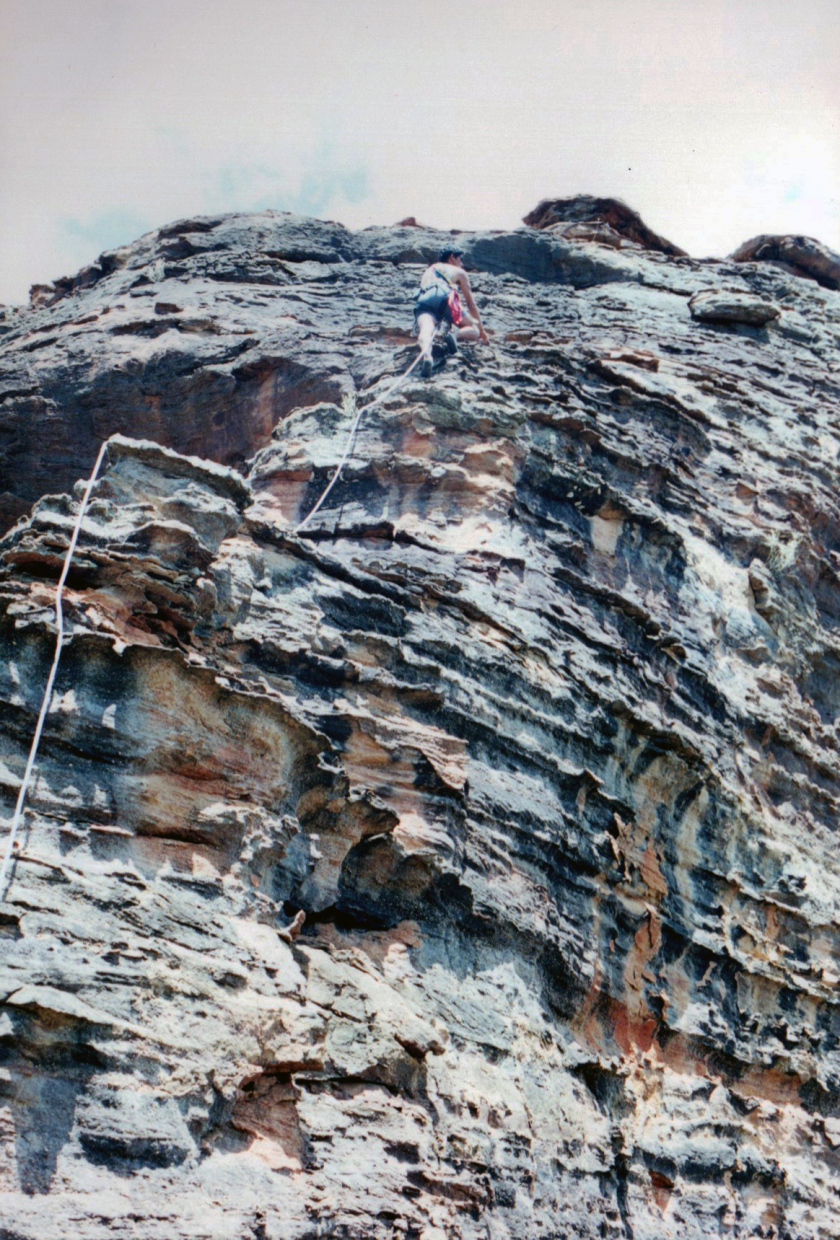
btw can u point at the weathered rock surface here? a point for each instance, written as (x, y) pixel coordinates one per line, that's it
(720, 306)
(537, 722)
(803, 256)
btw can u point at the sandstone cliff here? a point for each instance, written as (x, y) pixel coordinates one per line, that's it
(537, 722)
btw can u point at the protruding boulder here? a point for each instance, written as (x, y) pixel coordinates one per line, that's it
(722, 306)
(802, 256)
(606, 220)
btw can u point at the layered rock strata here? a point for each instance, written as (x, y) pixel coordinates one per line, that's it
(536, 722)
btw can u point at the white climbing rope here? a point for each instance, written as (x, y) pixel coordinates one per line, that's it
(59, 620)
(59, 613)
(350, 440)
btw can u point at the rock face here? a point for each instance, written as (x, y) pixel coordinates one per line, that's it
(536, 722)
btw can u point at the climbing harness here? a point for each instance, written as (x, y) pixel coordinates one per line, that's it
(59, 619)
(350, 440)
(441, 299)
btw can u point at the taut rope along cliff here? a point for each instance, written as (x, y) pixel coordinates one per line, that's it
(360, 410)
(42, 714)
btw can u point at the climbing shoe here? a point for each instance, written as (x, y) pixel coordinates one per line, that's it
(426, 368)
(449, 344)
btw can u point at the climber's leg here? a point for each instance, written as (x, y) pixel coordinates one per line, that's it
(426, 328)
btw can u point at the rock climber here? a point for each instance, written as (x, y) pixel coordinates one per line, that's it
(439, 301)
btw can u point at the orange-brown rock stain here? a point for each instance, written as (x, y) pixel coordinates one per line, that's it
(266, 1109)
(662, 1187)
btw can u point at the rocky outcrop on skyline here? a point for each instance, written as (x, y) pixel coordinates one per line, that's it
(801, 256)
(609, 221)
(536, 722)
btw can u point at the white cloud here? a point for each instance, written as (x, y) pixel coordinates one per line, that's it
(716, 120)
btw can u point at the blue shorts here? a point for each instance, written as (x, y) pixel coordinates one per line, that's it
(433, 301)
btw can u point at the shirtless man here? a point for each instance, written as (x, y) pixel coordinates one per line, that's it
(433, 306)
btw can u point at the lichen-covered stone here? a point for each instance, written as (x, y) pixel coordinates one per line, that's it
(536, 721)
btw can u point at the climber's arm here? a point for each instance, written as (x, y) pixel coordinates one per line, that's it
(463, 282)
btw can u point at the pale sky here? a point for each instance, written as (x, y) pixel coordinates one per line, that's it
(715, 119)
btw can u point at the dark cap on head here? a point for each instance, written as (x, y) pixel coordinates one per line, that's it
(449, 251)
